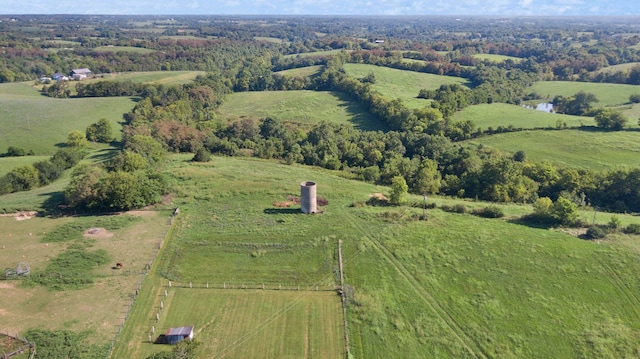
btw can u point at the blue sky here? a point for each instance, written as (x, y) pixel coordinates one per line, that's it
(325, 7)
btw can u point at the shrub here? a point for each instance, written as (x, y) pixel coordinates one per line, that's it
(202, 155)
(457, 208)
(489, 212)
(596, 232)
(633, 228)
(13, 151)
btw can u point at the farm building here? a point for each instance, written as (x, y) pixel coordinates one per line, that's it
(59, 77)
(178, 334)
(80, 74)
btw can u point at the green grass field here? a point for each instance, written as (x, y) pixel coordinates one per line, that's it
(496, 58)
(155, 77)
(454, 286)
(306, 107)
(618, 68)
(317, 53)
(132, 49)
(9, 163)
(308, 71)
(577, 148)
(253, 324)
(607, 94)
(405, 85)
(38, 123)
(501, 114)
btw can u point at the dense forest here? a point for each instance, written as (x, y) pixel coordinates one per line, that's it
(423, 146)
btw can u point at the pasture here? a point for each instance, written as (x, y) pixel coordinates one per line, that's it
(132, 49)
(607, 94)
(317, 53)
(505, 115)
(402, 84)
(305, 107)
(9, 163)
(585, 148)
(236, 323)
(307, 71)
(41, 124)
(453, 286)
(98, 308)
(626, 67)
(155, 77)
(496, 58)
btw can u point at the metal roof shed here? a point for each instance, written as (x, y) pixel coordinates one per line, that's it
(178, 334)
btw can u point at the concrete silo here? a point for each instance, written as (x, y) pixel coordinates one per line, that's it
(308, 201)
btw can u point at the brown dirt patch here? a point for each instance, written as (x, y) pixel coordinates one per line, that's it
(6, 285)
(379, 196)
(97, 233)
(21, 216)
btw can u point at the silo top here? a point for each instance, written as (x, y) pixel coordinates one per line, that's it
(308, 183)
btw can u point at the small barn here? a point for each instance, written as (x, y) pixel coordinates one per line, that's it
(80, 74)
(178, 334)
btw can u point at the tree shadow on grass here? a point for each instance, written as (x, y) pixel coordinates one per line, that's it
(53, 202)
(361, 118)
(282, 211)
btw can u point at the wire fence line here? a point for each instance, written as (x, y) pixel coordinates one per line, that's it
(253, 285)
(144, 273)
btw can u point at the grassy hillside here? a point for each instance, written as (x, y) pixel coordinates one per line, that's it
(137, 50)
(454, 286)
(607, 94)
(580, 148)
(35, 122)
(307, 71)
(497, 58)
(156, 77)
(307, 107)
(501, 114)
(9, 163)
(618, 68)
(406, 85)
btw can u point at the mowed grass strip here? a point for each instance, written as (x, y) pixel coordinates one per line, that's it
(505, 115)
(594, 150)
(607, 94)
(306, 107)
(402, 84)
(254, 323)
(307, 71)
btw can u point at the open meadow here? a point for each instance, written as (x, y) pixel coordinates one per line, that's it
(305, 107)
(607, 94)
(35, 122)
(152, 77)
(453, 286)
(402, 84)
(501, 114)
(587, 148)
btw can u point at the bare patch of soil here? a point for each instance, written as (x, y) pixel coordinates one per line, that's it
(97, 233)
(6, 285)
(21, 216)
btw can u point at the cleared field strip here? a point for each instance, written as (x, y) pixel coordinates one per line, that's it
(505, 115)
(237, 323)
(607, 94)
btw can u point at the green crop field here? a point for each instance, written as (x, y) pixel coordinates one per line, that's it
(454, 286)
(38, 123)
(607, 94)
(501, 114)
(137, 50)
(307, 107)
(578, 148)
(405, 85)
(497, 58)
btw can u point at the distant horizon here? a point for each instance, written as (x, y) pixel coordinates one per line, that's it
(462, 8)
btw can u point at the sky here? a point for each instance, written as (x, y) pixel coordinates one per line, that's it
(326, 7)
